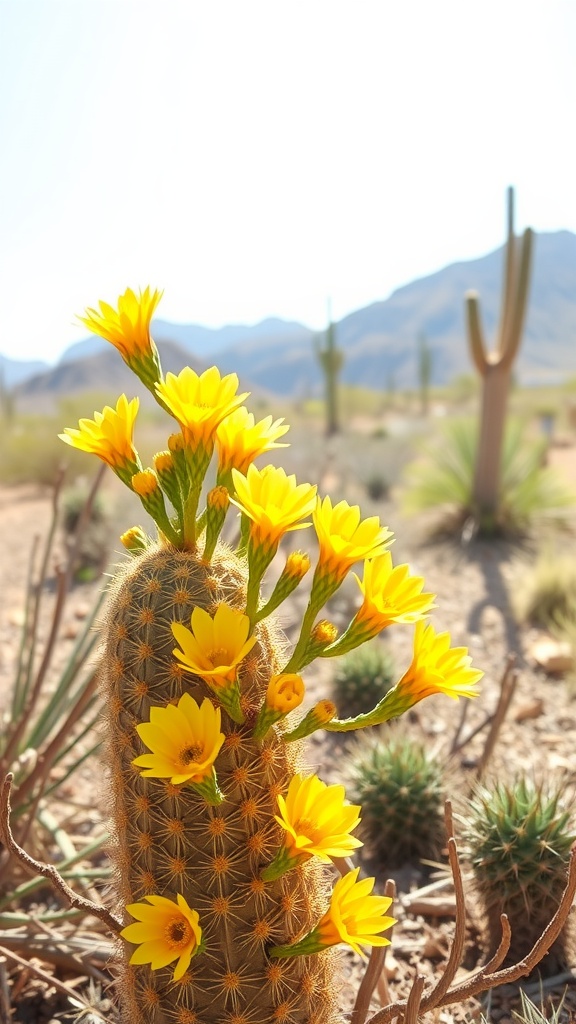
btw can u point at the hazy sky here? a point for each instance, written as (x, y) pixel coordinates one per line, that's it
(253, 157)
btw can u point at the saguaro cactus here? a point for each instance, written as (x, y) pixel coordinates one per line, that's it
(331, 359)
(495, 368)
(223, 843)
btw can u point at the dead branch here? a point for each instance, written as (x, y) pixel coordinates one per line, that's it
(373, 972)
(48, 978)
(48, 870)
(489, 976)
(507, 688)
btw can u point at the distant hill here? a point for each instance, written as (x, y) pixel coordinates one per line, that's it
(379, 341)
(12, 371)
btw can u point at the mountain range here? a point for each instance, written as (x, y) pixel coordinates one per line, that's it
(379, 342)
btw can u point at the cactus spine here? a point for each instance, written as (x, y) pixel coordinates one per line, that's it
(223, 844)
(495, 368)
(331, 359)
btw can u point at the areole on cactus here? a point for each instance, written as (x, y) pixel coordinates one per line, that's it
(224, 842)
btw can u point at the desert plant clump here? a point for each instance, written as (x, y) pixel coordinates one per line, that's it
(519, 836)
(531, 493)
(227, 906)
(547, 594)
(400, 786)
(93, 549)
(362, 678)
(377, 487)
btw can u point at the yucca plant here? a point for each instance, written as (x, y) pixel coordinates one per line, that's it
(400, 787)
(48, 730)
(530, 492)
(519, 837)
(226, 902)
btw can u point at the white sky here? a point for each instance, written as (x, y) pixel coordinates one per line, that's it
(253, 157)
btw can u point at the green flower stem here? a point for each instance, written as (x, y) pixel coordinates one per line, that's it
(127, 471)
(229, 697)
(353, 636)
(259, 558)
(209, 789)
(309, 724)
(282, 863)
(395, 703)
(147, 367)
(323, 587)
(311, 943)
(154, 505)
(284, 587)
(267, 717)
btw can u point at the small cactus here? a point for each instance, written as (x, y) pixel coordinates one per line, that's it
(399, 784)
(519, 840)
(362, 678)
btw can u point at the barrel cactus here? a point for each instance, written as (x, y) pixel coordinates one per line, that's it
(362, 677)
(223, 840)
(519, 837)
(400, 786)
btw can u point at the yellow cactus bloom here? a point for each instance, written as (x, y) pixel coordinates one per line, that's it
(164, 931)
(437, 668)
(354, 915)
(297, 565)
(391, 594)
(128, 326)
(109, 435)
(215, 646)
(285, 692)
(274, 503)
(184, 738)
(240, 439)
(200, 402)
(316, 820)
(344, 538)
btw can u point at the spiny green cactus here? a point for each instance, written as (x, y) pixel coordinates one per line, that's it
(223, 845)
(400, 787)
(362, 678)
(495, 370)
(519, 838)
(331, 359)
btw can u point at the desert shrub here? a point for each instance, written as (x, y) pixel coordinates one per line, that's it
(361, 679)
(399, 784)
(531, 493)
(519, 837)
(93, 543)
(546, 595)
(377, 487)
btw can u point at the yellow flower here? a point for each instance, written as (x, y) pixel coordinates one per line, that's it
(164, 932)
(185, 740)
(273, 501)
(391, 594)
(316, 819)
(200, 402)
(354, 916)
(344, 539)
(240, 440)
(437, 668)
(285, 692)
(109, 435)
(216, 646)
(145, 483)
(297, 565)
(128, 327)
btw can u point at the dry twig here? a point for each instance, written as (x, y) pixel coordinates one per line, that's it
(48, 870)
(373, 973)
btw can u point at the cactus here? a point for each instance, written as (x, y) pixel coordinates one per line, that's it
(331, 359)
(361, 678)
(222, 842)
(519, 840)
(400, 787)
(424, 372)
(495, 370)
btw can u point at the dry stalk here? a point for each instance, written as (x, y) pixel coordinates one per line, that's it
(489, 976)
(49, 979)
(507, 688)
(5, 1010)
(48, 870)
(373, 973)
